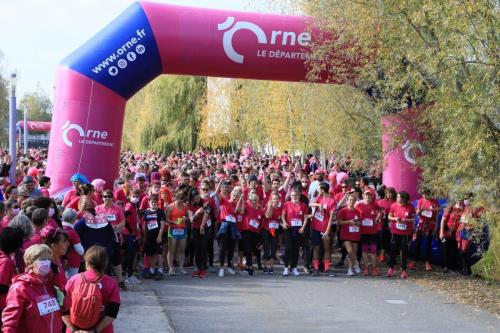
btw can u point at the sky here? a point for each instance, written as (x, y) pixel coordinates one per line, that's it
(38, 34)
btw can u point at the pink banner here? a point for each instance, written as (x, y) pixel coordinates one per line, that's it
(38, 126)
(401, 149)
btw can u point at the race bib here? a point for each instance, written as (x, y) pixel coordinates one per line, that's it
(111, 217)
(427, 213)
(367, 223)
(273, 225)
(230, 218)
(254, 223)
(209, 223)
(400, 226)
(319, 216)
(353, 228)
(178, 232)
(153, 224)
(47, 306)
(463, 220)
(296, 223)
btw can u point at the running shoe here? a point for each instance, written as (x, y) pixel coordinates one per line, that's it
(286, 271)
(375, 271)
(350, 272)
(221, 272)
(266, 271)
(331, 274)
(171, 272)
(240, 266)
(271, 271)
(147, 274)
(250, 272)
(307, 270)
(211, 269)
(357, 269)
(412, 265)
(445, 270)
(295, 271)
(390, 272)
(231, 271)
(381, 258)
(316, 273)
(428, 267)
(183, 271)
(203, 274)
(123, 286)
(404, 274)
(158, 276)
(366, 271)
(133, 280)
(196, 273)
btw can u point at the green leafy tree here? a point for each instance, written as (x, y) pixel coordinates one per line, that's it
(166, 115)
(37, 104)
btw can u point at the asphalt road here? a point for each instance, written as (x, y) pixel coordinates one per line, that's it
(265, 303)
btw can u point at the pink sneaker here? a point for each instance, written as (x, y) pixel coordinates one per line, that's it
(390, 272)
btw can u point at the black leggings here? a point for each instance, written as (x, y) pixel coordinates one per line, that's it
(250, 240)
(201, 248)
(450, 253)
(428, 246)
(226, 248)
(130, 253)
(384, 237)
(270, 245)
(399, 243)
(292, 246)
(210, 246)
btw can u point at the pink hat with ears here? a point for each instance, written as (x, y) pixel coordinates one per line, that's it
(99, 184)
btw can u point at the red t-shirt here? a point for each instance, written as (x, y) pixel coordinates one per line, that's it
(35, 239)
(228, 211)
(428, 212)
(211, 203)
(321, 218)
(339, 196)
(70, 195)
(452, 217)
(403, 212)
(294, 213)
(369, 225)
(131, 221)
(74, 258)
(269, 195)
(252, 219)
(7, 272)
(196, 222)
(349, 232)
(110, 292)
(274, 221)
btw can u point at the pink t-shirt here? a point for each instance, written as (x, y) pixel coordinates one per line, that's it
(113, 214)
(7, 272)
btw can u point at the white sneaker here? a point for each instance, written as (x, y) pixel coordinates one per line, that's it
(183, 271)
(295, 272)
(133, 280)
(350, 272)
(286, 272)
(357, 269)
(231, 271)
(221, 272)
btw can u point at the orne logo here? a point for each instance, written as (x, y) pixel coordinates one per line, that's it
(410, 151)
(91, 136)
(286, 37)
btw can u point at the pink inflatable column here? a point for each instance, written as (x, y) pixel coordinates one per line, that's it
(400, 160)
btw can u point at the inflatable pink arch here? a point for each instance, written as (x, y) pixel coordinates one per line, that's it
(94, 83)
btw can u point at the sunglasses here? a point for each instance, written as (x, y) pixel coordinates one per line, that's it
(107, 197)
(204, 189)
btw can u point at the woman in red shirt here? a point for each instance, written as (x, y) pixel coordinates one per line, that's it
(321, 221)
(427, 211)
(294, 222)
(449, 226)
(11, 240)
(402, 219)
(199, 224)
(384, 231)
(350, 232)
(370, 218)
(270, 227)
(251, 226)
(58, 242)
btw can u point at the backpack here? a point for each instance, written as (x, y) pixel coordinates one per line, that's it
(86, 302)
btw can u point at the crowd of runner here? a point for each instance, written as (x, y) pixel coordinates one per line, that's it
(166, 214)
